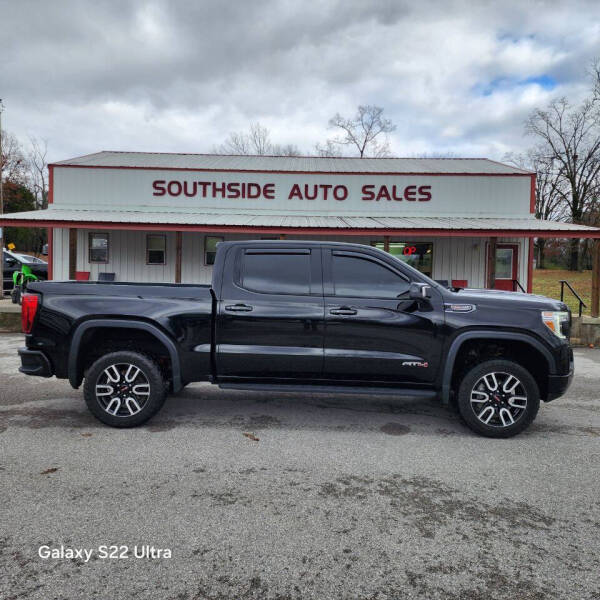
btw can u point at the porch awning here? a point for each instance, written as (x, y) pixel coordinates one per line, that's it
(295, 223)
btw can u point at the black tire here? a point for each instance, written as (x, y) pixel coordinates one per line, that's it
(521, 404)
(133, 400)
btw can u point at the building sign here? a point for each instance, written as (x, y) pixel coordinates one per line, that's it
(298, 191)
(314, 194)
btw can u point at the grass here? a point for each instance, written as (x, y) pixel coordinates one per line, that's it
(547, 283)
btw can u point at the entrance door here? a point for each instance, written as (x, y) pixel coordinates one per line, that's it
(507, 265)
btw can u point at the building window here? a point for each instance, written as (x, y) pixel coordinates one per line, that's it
(98, 247)
(416, 254)
(210, 249)
(156, 248)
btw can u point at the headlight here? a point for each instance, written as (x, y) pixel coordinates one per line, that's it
(554, 321)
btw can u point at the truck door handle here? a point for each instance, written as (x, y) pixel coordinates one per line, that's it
(343, 310)
(238, 308)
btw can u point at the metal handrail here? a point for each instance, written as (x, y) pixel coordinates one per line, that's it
(562, 294)
(517, 283)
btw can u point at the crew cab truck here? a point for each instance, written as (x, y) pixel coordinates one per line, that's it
(302, 316)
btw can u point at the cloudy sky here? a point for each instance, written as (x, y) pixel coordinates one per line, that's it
(179, 75)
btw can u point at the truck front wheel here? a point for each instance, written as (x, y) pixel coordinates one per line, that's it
(498, 398)
(124, 389)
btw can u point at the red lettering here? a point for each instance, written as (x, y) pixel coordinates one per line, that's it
(410, 192)
(269, 191)
(159, 187)
(185, 189)
(383, 193)
(253, 190)
(174, 185)
(295, 192)
(325, 187)
(367, 192)
(424, 193)
(203, 185)
(340, 192)
(395, 193)
(218, 189)
(233, 190)
(315, 192)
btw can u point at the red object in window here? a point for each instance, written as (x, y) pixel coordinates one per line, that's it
(82, 275)
(29, 306)
(460, 283)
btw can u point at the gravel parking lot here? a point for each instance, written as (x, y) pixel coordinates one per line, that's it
(340, 497)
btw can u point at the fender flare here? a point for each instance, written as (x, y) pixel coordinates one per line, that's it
(489, 333)
(73, 364)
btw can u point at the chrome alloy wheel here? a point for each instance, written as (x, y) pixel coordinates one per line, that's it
(122, 390)
(498, 399)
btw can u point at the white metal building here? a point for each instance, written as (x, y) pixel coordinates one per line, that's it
(157, 217)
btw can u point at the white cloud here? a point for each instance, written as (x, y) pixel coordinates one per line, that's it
(178, 76)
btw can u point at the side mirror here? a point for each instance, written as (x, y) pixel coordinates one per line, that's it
(419, 291)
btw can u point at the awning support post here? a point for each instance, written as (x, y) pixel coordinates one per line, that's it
(178, 247)
(491, 264)
(72, 253)
(386, 243)
(596, 278)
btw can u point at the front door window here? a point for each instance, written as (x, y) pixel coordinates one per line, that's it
(418, 255)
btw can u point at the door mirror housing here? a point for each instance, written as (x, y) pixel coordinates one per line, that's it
(419, 291)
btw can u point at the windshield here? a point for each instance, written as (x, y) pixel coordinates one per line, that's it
(29, 259)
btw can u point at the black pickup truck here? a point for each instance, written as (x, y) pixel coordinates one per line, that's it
(302, 316)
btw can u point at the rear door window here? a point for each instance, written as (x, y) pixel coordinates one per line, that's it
(268, 272)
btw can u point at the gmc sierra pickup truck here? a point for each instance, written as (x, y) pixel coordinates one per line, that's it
(302, 316)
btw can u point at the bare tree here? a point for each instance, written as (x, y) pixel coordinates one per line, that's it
(257, 141)
(366, 133)
(438, 154)
(14, 165)
(328, 149)
(550, 190)
(37, 164)
(570, 137)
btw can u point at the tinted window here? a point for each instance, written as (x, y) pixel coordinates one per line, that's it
(274, 273)
(360, 277)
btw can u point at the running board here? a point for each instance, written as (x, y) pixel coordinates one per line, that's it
(331, 389)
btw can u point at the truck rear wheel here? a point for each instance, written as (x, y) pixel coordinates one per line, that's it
(124, 389)
(498, 398)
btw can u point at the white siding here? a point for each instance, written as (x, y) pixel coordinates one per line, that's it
(453, 258)
(60, 254)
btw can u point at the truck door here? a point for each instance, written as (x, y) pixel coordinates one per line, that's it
(270, 315)
(373, 331)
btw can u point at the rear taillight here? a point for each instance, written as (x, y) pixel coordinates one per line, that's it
(29, 306)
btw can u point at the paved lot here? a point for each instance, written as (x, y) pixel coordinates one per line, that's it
(341, 497)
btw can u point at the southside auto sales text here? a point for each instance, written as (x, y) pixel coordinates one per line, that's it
(308, 191)
(103, 552)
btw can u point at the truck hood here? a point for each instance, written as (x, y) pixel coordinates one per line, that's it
(498, 298)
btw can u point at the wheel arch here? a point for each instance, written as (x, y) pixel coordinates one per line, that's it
(492, 335)
(75, 370)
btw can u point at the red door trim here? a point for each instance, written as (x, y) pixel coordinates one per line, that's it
(507, 284)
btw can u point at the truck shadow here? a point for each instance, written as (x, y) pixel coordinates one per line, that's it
(204, 406)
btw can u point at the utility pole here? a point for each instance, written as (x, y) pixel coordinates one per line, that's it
(1, 204)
